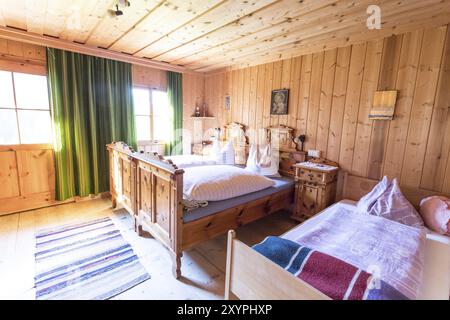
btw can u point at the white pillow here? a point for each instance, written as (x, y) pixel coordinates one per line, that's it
(226, 155)
(366, 202)
(221, 182)
(393, 205)
(263, 160)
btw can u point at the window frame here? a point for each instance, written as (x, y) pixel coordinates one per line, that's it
(151, 117)
(16, 109)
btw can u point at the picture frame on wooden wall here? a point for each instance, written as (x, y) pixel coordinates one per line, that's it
(227, 102)
(279, 102)
(383, 107)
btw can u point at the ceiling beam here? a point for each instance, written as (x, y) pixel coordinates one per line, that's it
(42, 40)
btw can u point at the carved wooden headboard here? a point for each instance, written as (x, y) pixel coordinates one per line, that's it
(236, 133)
(282, 139)
(354, 188)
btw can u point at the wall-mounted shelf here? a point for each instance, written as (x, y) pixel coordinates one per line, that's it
(194, 117)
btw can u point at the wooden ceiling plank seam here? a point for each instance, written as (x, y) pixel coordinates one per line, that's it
(93, 39)
(266, 34)
(181, 26)
(292, 35)
(55, 18)
(413, 24)
(268, 39)
(167, 17)
(176, 37)
(256, 18)
(99, 19)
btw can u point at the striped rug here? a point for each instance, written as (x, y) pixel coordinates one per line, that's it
(86, 261)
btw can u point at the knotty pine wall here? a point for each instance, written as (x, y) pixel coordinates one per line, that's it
(331, 95)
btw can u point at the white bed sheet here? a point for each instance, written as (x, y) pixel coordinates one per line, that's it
(436, 277)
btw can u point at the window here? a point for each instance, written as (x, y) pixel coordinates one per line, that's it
(24, 109)
(152, 115)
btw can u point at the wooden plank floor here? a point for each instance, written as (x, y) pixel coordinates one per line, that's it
(203, 267)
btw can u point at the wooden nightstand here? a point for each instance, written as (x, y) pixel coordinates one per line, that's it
(315, 188)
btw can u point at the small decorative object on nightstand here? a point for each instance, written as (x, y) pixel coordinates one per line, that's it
(315, 187)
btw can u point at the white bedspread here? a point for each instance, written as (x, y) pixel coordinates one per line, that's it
(377, 245)
(192, 160)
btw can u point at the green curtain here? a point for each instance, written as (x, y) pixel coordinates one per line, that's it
(92, 105)
(175, 96)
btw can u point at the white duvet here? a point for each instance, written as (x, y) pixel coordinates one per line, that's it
(191, 160)
(393, 251)
(221, 182)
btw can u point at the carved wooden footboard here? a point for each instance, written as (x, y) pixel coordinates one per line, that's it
(150, 188)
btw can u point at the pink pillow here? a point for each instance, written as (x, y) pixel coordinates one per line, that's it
(393, 205)
(366, 202)
(435, 212)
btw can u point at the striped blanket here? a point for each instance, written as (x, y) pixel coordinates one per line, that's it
(337, 279)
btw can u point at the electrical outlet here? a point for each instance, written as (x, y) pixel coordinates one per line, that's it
(314, 153)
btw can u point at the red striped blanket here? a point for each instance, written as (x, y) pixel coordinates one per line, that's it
(337, 279)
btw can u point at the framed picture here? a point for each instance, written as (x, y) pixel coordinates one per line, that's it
(279, 102)
(227, 102)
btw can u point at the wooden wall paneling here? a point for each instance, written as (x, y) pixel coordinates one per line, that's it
(260, 97)
(252, 102)
(331, 94)
(303, 97)
(246, 97)
(352, 106)
(234, 96)
(364, 126)
(268, 84)
(36, 171)
(229, 92)
(406, 82)
(295, 91)
(326, 97)
(387, 81)
(314, 100)
(9, 179)
(438, 145)
(338, 102)
(285, 84)
(240, 95)
(422, 107)
(276, 84)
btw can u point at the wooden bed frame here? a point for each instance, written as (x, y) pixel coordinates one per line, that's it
(268, 281)
(150, 188)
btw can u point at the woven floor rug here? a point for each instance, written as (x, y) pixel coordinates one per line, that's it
(89, 260)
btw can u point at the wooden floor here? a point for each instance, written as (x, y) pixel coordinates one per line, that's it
(203, 266)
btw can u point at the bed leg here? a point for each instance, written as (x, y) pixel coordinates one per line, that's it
(113, 202)
(228, 294)
(176, 265)
(138, 227)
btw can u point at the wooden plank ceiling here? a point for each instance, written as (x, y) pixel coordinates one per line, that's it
(205, 35)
